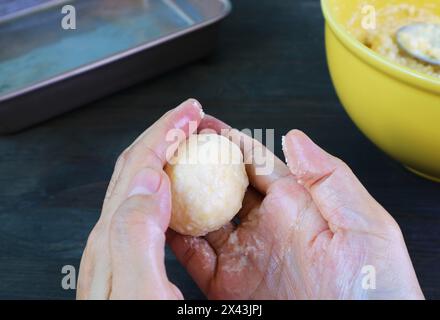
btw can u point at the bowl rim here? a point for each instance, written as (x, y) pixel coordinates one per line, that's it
(400, 72)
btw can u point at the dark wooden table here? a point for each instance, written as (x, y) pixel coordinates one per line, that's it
(269, 72)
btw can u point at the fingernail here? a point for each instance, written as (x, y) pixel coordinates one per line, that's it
(146, 182)
(198, 105)
(185, 119)
(298, 155)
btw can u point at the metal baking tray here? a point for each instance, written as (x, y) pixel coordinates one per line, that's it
(46, 70)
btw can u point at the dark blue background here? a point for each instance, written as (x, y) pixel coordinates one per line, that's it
(269, 72)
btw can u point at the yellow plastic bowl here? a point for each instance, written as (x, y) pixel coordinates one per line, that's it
(396, 107)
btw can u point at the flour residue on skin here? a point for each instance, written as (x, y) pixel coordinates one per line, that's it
(239, 255)
(283, 147)
(294, 169)
(202, 249)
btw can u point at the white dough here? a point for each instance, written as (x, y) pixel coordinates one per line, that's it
(208, 183)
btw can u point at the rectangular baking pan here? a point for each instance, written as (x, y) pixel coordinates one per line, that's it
(46, 70)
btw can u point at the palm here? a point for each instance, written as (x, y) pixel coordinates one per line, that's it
(257, 259)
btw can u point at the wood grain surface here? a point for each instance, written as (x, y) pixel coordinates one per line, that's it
(269, 72)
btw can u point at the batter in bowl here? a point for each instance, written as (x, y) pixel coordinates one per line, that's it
(382, 38)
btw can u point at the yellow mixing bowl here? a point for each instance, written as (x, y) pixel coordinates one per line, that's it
(396, 107)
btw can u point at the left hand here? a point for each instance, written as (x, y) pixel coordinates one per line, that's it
(124, 256)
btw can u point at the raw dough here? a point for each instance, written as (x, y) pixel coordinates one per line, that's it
(389, 19)
(208, 183)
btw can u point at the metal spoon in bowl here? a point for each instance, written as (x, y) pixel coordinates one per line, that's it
(421, 41)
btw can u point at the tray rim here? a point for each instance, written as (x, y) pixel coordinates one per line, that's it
(227, 7)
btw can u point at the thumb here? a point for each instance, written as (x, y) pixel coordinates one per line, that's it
(137, 239)
(339, 195)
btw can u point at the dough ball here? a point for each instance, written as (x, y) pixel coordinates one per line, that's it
(208, 183)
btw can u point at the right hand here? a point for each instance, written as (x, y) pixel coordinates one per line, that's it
(306, 232)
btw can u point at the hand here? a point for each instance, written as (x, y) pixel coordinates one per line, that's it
(287, 245)
(124, 256)
(306, 232)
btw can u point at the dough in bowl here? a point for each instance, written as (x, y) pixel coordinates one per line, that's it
(208, 183)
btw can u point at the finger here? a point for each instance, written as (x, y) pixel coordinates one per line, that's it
(262, 166)
(252, 200)
(94, 273)
(186, 117)
(217, 239)
(196, 256)
(152, 149)
(211, 123)
(96, 270)
(338, 194)
(94, 280)
(137, 240)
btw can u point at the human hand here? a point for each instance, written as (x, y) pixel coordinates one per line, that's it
(284, 246)
(306, 232)
(124, 256)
